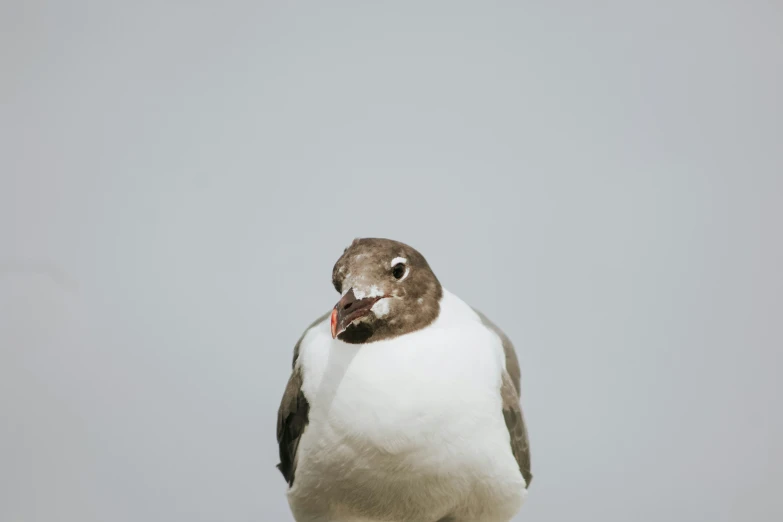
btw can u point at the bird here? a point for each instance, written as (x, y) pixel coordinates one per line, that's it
(403, 402)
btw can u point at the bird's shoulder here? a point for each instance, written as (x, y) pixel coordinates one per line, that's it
(298, 345)
(512, 362)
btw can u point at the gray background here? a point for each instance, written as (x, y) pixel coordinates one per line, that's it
(603, 179)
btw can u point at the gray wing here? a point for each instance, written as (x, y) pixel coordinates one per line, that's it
(293, 415)
(515, 422)
(292, 419)
(512, 410)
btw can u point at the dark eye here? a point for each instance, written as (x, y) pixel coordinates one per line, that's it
(398, 271)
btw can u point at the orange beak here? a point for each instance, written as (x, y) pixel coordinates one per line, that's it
(334, 322)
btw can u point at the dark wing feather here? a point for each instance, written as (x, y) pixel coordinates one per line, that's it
(292, 416)
(515, 422)
(512, 410)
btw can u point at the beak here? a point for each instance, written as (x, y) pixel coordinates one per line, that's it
(348, 309)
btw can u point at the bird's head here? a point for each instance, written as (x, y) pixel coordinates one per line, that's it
(387, 288)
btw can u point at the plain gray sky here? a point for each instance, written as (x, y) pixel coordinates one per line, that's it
(603, 179)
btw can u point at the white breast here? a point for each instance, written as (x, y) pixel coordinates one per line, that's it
(408, 428)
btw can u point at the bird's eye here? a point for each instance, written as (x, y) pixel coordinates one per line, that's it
(398, 270)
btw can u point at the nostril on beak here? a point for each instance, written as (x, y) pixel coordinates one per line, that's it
(346, 307)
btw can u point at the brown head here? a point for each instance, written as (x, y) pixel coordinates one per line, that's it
(388, 290)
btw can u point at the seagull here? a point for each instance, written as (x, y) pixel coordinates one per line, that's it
(403, 403)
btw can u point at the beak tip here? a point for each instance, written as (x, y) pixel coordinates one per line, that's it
(334, 323)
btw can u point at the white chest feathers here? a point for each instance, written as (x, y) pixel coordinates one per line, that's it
(406, 429)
